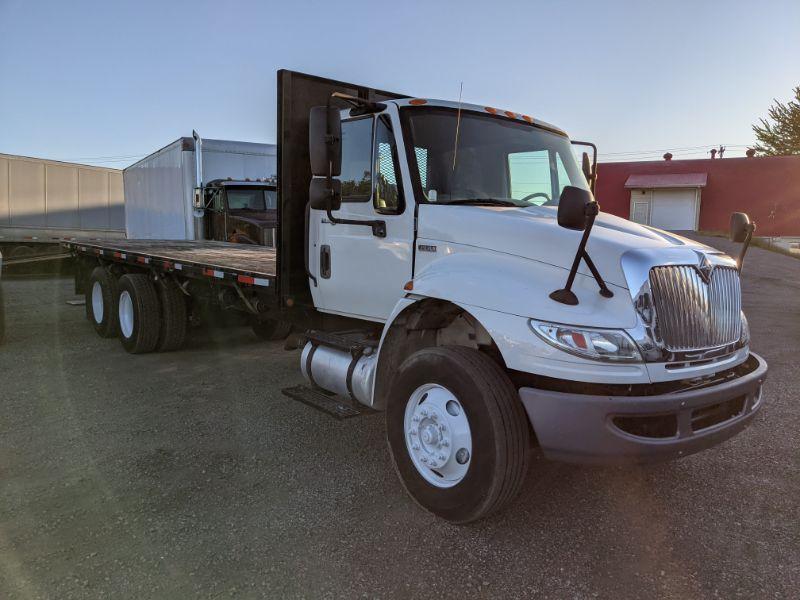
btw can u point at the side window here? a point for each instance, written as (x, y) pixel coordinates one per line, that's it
(388, 194)
(357, 160)
(530, 176)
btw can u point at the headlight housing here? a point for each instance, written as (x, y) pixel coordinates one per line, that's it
(610, 345)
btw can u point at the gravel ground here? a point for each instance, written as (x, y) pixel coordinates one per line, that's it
(190, 475)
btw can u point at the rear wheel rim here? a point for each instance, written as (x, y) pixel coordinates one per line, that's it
(438, 436)
(97, 302)
(126, 314)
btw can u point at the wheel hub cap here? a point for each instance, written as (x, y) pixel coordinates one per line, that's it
(126, 314)
(97, 302)
(438, 435)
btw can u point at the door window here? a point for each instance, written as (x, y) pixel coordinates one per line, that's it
(357, 160)
(388, 196)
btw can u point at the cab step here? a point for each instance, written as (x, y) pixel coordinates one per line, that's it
(336, 406)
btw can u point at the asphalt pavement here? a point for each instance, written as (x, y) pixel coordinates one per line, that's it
(189, 475)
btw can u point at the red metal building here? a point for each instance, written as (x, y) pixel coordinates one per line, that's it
(702, 194)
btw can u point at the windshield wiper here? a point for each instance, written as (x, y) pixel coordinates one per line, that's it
(484, 201)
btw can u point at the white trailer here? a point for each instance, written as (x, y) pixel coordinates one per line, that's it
(160, 188)
(43, 201)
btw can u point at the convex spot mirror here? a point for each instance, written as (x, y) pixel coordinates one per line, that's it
(325, 141)
(740, 226)
(572, 207)
(321, 196)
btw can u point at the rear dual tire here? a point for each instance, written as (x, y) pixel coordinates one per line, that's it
(139, 312)
(102, 296)
(174, 316)
(271, 330)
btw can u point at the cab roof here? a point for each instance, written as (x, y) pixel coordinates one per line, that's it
(428, 102)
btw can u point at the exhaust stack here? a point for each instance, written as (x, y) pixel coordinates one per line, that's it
(199, 194)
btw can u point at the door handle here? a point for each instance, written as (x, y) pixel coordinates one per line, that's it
(325, 261)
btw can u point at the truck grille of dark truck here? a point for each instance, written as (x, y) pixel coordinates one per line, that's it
(692, 313)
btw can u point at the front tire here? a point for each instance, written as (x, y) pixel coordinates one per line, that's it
(139, 314)
(457, 432)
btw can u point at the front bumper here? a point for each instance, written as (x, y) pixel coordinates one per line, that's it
(582, 428)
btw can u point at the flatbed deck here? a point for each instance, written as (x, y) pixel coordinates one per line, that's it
(241, 263)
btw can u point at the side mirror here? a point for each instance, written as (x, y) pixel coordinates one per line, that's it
(325, 141)
(742, 229)
(572, 206)
(740, 226)
(322, 197)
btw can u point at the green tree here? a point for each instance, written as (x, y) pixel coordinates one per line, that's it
(781, 136)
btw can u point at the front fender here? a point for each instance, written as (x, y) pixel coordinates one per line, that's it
(502, 292)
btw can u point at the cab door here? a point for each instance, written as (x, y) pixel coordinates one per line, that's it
(358, 273)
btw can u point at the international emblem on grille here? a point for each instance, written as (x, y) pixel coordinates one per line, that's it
(705, 267)
(696, 306)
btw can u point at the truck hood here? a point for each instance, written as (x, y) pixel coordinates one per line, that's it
(533, 233)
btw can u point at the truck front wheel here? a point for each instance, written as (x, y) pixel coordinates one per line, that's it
(457, 432)
(101, 302)
(139, 314)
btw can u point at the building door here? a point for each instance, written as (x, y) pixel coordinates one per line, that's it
(640, 206)
(675, 209)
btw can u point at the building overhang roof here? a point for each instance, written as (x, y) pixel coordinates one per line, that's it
(667, 180)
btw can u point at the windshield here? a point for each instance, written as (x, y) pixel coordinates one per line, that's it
(494, 160)
(251, 199)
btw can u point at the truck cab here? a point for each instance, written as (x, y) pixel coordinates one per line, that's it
(241, 211)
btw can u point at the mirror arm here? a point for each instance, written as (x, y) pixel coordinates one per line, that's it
(566, 295)
(750, 229)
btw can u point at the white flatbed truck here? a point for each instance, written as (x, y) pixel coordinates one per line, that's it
(447, 264)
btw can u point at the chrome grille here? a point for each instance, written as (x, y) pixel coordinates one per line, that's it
(692, 314)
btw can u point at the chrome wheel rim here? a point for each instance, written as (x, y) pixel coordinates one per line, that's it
(97, 302)
(438, 436)
(126, 314)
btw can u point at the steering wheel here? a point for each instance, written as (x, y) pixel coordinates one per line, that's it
(537, 195)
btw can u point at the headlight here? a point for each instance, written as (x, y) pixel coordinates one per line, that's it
(597, 344)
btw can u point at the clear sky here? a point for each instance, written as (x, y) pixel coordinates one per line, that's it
(107, 82)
